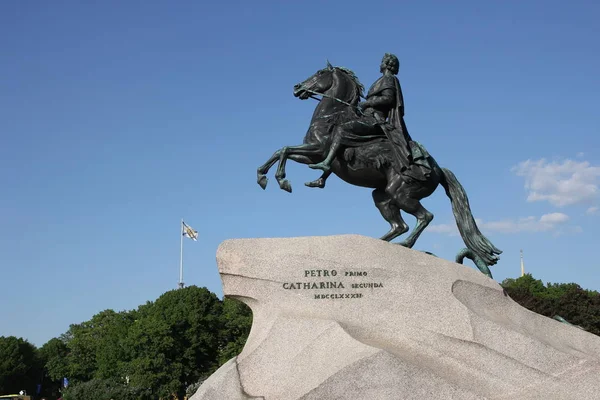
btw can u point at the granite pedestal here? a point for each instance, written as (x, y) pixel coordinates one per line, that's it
(351, 317)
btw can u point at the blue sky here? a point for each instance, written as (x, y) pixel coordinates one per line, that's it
(120, 118)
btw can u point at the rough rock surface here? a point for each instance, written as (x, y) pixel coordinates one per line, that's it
(405, 325)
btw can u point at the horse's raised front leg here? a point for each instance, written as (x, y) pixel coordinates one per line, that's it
(261, 177)
(305, 150)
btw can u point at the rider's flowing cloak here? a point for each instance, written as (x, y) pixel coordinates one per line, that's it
(410, 156)
(395, 128)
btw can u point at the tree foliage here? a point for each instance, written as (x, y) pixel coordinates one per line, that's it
(175, 340)
(20, 365)
(155, 351)
(236, 321)
(103, 389)
(53, 356)
(568, 300)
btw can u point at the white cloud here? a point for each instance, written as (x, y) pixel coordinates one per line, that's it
(576, 229)
(546, 223)
(554, 218)
(592, 211)
(561, 184)
(448, 229)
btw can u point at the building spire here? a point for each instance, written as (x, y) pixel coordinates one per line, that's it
(522, 265)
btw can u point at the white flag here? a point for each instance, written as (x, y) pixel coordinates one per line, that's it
(189, 231)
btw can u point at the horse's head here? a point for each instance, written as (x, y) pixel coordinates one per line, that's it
(334, 82)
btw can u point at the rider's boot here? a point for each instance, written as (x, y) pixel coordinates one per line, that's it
(319, 183)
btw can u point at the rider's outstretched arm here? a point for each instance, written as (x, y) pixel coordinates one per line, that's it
(385, 99)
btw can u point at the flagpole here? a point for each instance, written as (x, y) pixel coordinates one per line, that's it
(181, 256)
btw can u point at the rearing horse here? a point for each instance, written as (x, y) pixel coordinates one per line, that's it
(370, 164)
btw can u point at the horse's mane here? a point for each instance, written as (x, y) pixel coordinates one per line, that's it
(358, 87)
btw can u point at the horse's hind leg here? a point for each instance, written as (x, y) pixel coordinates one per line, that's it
(424, 217)
(391, 213)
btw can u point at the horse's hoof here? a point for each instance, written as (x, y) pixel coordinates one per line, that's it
(285, 185)
(262, 181)
(406, 244)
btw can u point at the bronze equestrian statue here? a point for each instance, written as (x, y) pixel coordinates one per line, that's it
(367, 144)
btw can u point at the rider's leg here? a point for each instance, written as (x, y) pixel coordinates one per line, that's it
(325, 165)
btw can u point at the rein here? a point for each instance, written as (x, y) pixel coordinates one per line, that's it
(313, 92)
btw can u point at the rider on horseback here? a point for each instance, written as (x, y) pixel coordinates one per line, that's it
(383, 108)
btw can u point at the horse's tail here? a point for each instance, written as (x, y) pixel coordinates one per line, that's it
(467, 227)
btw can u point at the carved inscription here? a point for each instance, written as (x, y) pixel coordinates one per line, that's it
(355, 273)
(313, 285)
(333, 279)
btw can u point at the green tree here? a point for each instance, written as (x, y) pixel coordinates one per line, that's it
(97, 348)
(160, 349)
(527, 283)
(112, 350)
(568, 300)
(236, 321)
(104, 389)
(579, 307)
(53, 355)
(175, 340)
(20, 366)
